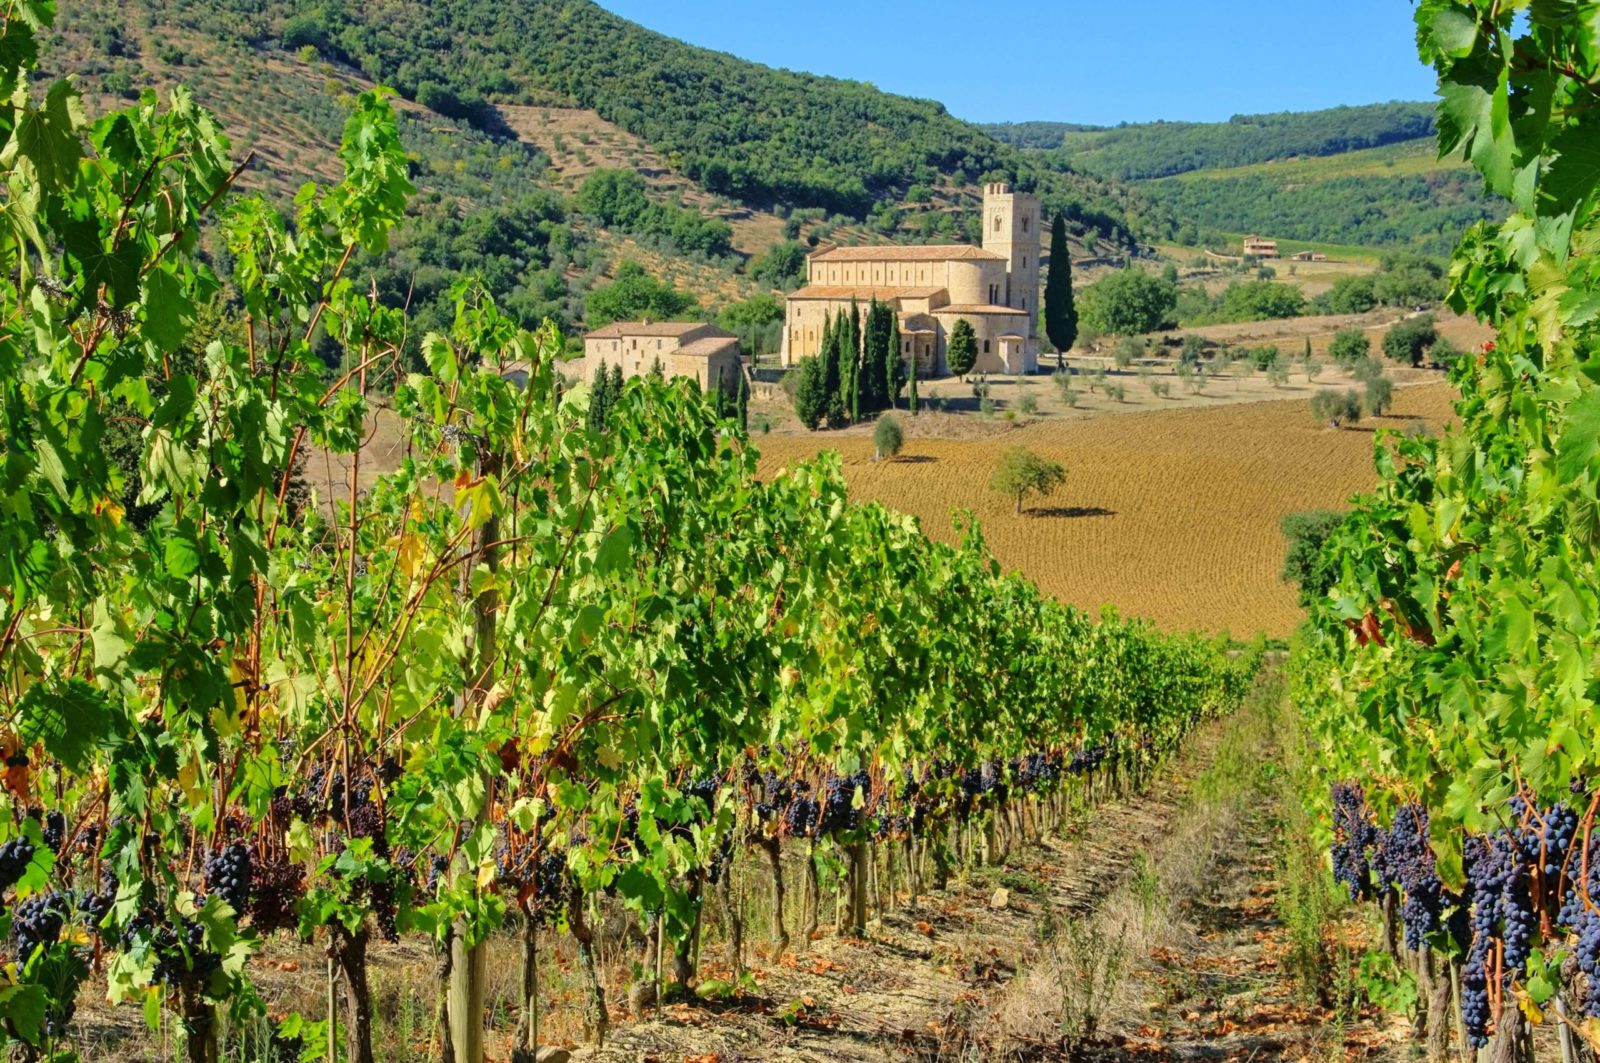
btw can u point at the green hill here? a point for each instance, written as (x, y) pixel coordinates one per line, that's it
(506, 108)
(762, 136)
(1348, 175)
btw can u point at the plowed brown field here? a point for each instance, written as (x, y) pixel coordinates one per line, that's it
(1171, 516)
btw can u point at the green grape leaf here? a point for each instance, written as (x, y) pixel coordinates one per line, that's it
(1454, 32)
(22, 1008)
(1579, 445)
(47, 137)
(71, 719)
(168, 311)
(1572, 176)
(182, 555)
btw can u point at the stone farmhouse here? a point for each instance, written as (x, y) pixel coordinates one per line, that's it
(1260, 247)
(704, 353)
(995, 288)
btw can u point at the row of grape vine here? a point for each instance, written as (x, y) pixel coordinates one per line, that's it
(528, 669)
(1449, 674)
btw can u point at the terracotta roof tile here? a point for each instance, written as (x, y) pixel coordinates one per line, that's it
(708, 347)
(863, 292)
(906, 253)
(666, 329)
(976, 308)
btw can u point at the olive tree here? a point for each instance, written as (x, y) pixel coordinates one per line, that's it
(1020, 472)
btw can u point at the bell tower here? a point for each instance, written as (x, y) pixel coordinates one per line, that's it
(1011, 223)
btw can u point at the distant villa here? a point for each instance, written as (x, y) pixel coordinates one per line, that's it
(995, 288)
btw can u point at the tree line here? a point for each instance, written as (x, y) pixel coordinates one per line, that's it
(858, 372)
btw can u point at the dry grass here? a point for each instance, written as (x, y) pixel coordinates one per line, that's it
(1171, 516)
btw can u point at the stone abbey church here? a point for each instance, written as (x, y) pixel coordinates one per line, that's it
(994, 287)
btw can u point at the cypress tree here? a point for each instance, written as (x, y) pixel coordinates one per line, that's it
(599, 392)
(831, 334)
(744, 402)
(912, 396)
(894, 370)
(867, 392)
(1060, 309)
(614, 396)
(849, 373)
(853, 352)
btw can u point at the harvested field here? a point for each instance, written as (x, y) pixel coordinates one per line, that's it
(1168, 515)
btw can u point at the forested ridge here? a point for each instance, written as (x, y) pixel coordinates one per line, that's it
(1162, 149)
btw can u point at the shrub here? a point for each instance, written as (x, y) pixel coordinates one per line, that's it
(1128, 351)
(1379, 396)
(1194, 349)
(1028, 403)
(1335, 408)
(887, 438)
(1349, 347)
(1062, 379)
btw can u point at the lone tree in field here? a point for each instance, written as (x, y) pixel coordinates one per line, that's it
(1336, 407)
(887, 438)
(1020, 472)
(963, 353)
(1060, 309)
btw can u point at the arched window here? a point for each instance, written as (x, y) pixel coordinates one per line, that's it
(997, 223)
(1024, 223)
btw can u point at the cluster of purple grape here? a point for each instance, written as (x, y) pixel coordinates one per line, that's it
(15, 856)
(775, 795)
(229, 872)
(1545, 838)
(52, 827)
(839, 812)
(549, 887)
(1088, 758)
(801, 817)
(95, 905)
(1037, 772)
(38, 921)
(1405, 861)
(276, 888)
(1354, 836)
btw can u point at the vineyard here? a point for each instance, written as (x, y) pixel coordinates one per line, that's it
(549, 674)
(1449, 675)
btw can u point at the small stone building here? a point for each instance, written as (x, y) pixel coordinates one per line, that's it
(704, 353)
(1260, 247)
(995, 288)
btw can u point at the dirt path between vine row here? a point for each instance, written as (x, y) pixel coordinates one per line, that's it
(950, 979)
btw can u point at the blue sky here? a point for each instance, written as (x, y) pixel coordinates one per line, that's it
(1126, 60)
